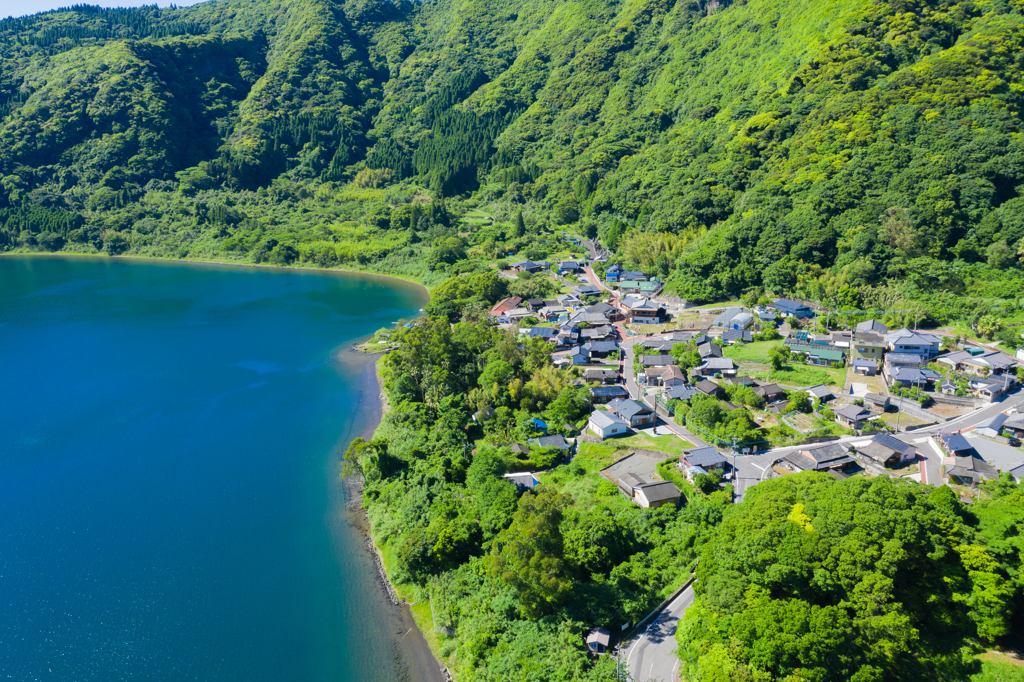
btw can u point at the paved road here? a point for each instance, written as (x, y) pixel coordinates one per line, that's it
(652, 655)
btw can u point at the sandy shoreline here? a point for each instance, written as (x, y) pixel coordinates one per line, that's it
(419, 661)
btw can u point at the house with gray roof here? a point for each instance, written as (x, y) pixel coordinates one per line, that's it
(684, 393)
(887, 451)
(555, 441)
(830, 457)
(723, 366)
(908, 377)
(605, 424)
(872, 326)
(992, 426)
(605, 394)
(709, 350)
(656, 360)
(907, 341)
(852, 416)
(635, 414)
(601, 349)
(707, 458)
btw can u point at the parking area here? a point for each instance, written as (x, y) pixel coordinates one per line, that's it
(1002, 457)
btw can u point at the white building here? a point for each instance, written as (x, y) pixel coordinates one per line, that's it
(605, 424)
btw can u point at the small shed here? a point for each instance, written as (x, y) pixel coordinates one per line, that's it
(598, 639)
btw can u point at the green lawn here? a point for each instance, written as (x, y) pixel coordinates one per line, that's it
(998, 667)
(751, 352)
(801, 376)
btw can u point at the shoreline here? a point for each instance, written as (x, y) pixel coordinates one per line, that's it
(421, 663)
(196, 261)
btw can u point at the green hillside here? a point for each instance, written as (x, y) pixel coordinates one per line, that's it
(859, 153)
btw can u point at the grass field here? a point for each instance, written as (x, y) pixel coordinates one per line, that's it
(998, 667)
(802, 376)
(751, 352)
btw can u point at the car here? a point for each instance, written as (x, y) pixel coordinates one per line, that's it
(1014, 442)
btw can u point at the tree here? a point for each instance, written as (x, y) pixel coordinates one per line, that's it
(799, 401)
(1000, 255)
(989, 325)
(898, 231)
(529, 556)
(520, 228)
(778, 356)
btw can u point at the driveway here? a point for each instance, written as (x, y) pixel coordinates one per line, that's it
(652, 654)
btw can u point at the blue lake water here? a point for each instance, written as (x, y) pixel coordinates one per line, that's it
(170, 506)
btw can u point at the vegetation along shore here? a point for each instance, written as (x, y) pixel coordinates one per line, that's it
(719, 290)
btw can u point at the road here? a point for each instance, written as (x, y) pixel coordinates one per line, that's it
(652, 654)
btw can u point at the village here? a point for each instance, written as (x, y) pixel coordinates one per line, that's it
(866, 400)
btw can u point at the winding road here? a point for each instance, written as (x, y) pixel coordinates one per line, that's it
(651, 655)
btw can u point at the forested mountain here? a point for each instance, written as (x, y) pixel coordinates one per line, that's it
(858, 151)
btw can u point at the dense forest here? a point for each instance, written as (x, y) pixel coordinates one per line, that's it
(864, 153)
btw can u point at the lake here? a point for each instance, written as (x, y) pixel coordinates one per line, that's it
(170, 500)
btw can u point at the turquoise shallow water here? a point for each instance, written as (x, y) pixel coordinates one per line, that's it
(169, 501)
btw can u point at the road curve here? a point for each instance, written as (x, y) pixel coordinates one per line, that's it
(651, 656)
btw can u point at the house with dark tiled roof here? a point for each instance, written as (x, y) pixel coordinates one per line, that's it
(918, 343)
(852, 416)
(789, 308)
(709, 350)
(887, 451)
(829, 457)
(634, 413)
(707, 458)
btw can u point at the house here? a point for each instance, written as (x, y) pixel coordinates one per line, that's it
(1018, 473)
(962, 463)
(605, 394)
(724, 318)
(601, 349)
(520, 451)
(830, 457)
(651, 288)
(553, 312)
(868, 346)
(709, 350)
(841, 339)
(633, 276)
(907, 341)
(656, 360)
(586, 291)
(894, 360)
(483, 415)
(887, 451)
(911, 376)
(985, 364)
(684, 393)
(876, 400)
(723, 366)
(501, 308)
(569, 299)
(947, 387)
(601, 308)
(518, 314)
(767, 316)
(568, 266)
(526, 266)
(555, 441)
(535, 304)
(710, 388)
(873, 326)
(522, 481)
(708, 458)
(665, 376)
(604, 424)
(732, 336)
(654, 495)
(742, 381)
(992, 426)
(1015, 426)
(593, 319)
(641, 311)
(612, 273)
(634, 413)
(597, 640)
(852, 416)
(546, 333)
(787, 308)
(602, 333)
(814, 350)
(865, 368)
(994, 387)
(692, 472)
(578, 357)
(772, 393)
(604, 376)
(821, 392)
